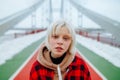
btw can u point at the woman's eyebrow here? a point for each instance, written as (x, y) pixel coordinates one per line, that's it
(67, 35)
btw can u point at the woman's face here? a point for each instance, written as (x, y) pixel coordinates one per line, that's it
(59, 43)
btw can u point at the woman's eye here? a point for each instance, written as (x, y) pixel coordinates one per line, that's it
(66, 38)
(55, 36)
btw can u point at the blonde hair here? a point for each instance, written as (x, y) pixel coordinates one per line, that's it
(55, 28)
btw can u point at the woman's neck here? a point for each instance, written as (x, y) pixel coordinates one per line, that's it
(57, 60)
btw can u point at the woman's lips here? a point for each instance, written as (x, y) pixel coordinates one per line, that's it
(59, 49)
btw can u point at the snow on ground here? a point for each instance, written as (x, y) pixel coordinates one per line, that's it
(11, 47)
(110, 53)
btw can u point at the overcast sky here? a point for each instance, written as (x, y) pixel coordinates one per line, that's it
(109, 8)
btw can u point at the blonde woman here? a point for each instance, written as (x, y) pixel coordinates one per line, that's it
(57, 58)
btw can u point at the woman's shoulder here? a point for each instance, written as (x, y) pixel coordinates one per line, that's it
(80, 66)
(36, 65)
(78, 61)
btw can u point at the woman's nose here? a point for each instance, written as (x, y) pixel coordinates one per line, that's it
(60, 41)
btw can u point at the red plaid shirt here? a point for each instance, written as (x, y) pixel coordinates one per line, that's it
(77, 70)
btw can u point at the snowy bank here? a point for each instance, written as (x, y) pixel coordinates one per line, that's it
(110, 53)
(11, 47)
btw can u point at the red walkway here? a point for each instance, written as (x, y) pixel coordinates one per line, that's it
(24, 73)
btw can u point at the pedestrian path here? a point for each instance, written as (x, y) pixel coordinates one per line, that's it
(24, 73)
